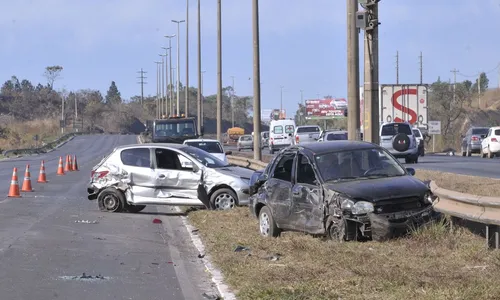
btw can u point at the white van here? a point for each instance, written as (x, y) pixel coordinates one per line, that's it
(281, 134)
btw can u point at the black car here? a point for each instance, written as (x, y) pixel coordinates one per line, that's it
(348, 190)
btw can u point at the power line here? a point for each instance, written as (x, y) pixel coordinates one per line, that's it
(478, 74)
(142, 83)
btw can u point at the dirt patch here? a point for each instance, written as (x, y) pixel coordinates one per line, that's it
(17, 135)
(482, 186)
(435, 263)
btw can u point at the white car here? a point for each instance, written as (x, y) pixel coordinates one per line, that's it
(490, 145)
(213, 147)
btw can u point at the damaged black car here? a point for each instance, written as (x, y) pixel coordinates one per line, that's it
(347, 190)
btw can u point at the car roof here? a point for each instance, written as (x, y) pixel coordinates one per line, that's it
(202, 140)
(340, 145)
(307, 126)
(335, 131)
(152, 145)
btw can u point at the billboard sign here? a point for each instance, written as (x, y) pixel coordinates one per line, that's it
(404, 102)
(318, 109)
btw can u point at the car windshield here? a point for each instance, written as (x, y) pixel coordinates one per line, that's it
(480, 131)
(416, 133)
(363, 164)
(308, 129)
(336, 136)
(246, 138)
(393, 129)
(205, 158)
(210, 147)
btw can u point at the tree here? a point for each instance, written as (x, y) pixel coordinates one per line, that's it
(52, 73)
(483, 83)
(113, 96)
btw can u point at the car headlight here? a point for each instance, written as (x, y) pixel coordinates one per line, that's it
(429, 198)
(357, 208)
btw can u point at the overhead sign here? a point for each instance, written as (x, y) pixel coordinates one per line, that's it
(325, 108)
(404, 102)
(434, 127)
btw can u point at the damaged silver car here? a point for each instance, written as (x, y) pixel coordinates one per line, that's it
(347, 190)
(134, 176)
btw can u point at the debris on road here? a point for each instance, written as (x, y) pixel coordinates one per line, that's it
(86, 222)
(157, 221)
(211, 296)
(85, 277)
(240, 248)
(201, 255)
(274, 257)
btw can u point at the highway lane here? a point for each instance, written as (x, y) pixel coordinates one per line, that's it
(46, 246)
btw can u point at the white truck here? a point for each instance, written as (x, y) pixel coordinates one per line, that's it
(281, 134)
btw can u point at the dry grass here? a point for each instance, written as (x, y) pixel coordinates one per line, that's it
(20, 134)
(482, 186)
(432, 264)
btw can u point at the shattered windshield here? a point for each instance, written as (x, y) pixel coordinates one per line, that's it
(207, 159)
(357, 164)
(210, 147)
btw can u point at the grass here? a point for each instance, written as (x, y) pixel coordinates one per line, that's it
(20, 134)
(434, 263)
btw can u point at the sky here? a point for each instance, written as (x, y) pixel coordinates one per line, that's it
(302, 43)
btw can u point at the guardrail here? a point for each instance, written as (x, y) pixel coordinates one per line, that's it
(47, 147)
(478, 209)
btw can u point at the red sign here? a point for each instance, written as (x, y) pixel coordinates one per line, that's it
(325, 108)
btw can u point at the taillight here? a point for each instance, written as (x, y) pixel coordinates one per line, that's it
(97, 175)
(297, 139)
(475, 138)
(271, 140)
(494, 140)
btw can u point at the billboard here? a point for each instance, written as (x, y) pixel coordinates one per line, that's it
(318, 109)
(404, 102)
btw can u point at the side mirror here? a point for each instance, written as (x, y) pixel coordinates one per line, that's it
(195, 168)
(262, 178)
(411, 171)
(229, 152)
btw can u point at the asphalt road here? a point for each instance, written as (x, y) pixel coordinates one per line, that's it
(473, 165)
(45, 248)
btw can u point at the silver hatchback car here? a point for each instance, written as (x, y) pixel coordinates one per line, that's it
(134, 176)
(245, 142)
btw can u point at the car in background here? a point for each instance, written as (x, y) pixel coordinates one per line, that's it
(399, 140)
(213, 147)
(332, 135)
(471, 141)
(347, 190)
(134, 176)
(245, 142)
(420, 141)
(281, 134)
(490, 145)
(306, 134)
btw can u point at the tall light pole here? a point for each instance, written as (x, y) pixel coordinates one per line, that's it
(163, 61)
(169, 37)
(219, 71)
(178, 63)
(186, 93)
(232, 103)
(353, 114)
(174, 92)
(199, 105)
(158, 88)
(281, 100)
(167, 76)
(202, 103)
(257, 154)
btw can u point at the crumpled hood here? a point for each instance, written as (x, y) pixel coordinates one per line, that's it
(374, 190)
(220, 156)
(235, 171)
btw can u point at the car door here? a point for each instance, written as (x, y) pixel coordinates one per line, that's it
(138, 170)
(485, 142)
(307, 199)
(177, 178)
(278, 188)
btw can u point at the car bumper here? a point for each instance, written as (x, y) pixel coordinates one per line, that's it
(409, 152)
(243, 197)
(475, 147)
(495, 147)
(92, 191)
(279, 146)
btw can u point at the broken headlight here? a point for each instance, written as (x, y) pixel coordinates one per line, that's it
(428, 197)
(357, 208)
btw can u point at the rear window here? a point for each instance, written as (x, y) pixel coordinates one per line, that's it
(308, 129)
(497, 131)
(416, 133)
(336, 136)
(278, 129)
(210, 147)
(246, 138)
(289, 129)
(393, 129)
(480, 131)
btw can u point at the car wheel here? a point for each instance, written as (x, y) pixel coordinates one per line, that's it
(223, 199)
(336, 230)
(267, 226)
(469, 153)
(422, 152)
(490, 155)
(483, 155)
(463, 152)
(239, 149)
(407, 160)
(111, 200)
(135, 208)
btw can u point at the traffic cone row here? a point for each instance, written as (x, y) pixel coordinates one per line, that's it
(14, 191)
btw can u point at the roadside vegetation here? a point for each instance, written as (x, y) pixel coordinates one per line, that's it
(433, 263)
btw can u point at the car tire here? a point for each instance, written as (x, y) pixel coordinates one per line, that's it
(111, 200)
(469, 153)
(267, 225)
(483, 155)
(223, 199)
(490, 155)
(135, 208)
(422, 152)
(337, 230)
(463, 152)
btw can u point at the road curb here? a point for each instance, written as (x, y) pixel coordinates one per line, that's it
(215, 273)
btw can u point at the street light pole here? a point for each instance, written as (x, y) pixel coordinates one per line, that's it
(169, 37)
(232, 103)
(198, 100)
(167, 76)
(202, 103)
(178, 64)
(163, 60)
(257, 154)
(281, 101)
(158, 88)
(219, 70)
(186, 103)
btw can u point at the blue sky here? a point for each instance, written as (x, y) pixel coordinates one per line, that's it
(303, 43)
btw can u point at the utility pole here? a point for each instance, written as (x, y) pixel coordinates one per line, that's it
(232, 103)
(178, 64)
(281, 100)
(169, 37)
(353, 122)
(257, 153)
(219, 70)
(397, 67)
(202, 103)
(163, 60)
(174, 103)
(454, 71)
(167, 94)
(371, 69)
(479, 91)
(142, 83)
(158, 88)
(421, 61)
(304, 106)
(199, 105)
(186, 92)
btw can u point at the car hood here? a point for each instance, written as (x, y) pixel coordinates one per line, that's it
(220, 156)
(235, 171)
(374, 190)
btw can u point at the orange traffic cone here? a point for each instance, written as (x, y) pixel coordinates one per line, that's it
(70, 163)
(75, 164)
(66, 166)
(60, 170)
(42, 177)
(14, 186)
(27, 181)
